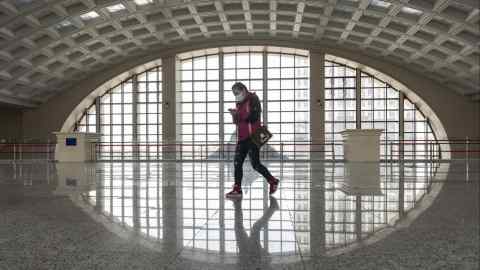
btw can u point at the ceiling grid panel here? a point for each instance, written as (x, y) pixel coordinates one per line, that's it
(46, 45)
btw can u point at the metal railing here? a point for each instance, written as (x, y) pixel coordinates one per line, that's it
(393, 150)
(211, 151)
(413, 150)
(27, 151)
(467, 151)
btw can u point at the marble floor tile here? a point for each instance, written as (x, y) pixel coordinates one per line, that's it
(153, 215)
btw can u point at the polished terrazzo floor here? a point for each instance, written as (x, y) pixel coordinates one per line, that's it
(174, 216)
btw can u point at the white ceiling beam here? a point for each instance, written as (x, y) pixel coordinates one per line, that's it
(298, 18)
(248, 16)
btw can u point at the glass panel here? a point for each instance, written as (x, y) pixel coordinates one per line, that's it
(340, 106)
(195, 125)
(288, 104)
(380, 109)
(248, 70)
(116, 121)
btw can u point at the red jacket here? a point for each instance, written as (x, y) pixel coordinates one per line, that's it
(248, 116)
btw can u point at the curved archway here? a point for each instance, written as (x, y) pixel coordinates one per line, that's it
(411, 101)
(205, 77)
(89, 100)
(267, 77)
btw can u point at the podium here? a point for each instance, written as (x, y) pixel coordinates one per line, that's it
(362, 161)
(361, 145)
(76, 146)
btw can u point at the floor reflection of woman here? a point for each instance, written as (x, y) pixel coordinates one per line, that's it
(251, 254)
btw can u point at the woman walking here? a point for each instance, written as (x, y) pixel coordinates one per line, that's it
(247, 118)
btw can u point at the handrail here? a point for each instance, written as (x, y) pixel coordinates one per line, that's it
(277, 150)
(27, 151)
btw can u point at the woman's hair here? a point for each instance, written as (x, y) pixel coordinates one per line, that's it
(239, 85)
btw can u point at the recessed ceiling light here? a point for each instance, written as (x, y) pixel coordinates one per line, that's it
(90, 15)
(116, 8)
(380, 3)
(410, 10)
(64, 23)
(143, 2)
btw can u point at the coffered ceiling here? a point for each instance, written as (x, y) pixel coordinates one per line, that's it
(47, 44)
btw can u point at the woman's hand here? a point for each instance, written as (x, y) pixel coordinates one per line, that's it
(234, 114)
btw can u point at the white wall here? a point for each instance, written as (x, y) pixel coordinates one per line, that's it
(10, 123)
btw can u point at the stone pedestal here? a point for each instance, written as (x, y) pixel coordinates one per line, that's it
(362, 157)
(75, 146)
(361, 145)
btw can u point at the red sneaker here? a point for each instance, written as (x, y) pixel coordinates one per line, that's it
(235, 193)
(273, 185)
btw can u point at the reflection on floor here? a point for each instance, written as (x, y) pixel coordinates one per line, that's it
(179, 209)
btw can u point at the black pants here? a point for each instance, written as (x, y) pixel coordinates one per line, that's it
(248, 147)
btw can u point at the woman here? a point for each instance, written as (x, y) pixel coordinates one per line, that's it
(247, 118)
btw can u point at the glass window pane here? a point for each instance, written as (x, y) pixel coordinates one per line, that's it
(273, 60)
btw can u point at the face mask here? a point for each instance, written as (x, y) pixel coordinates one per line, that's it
(240, 97)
